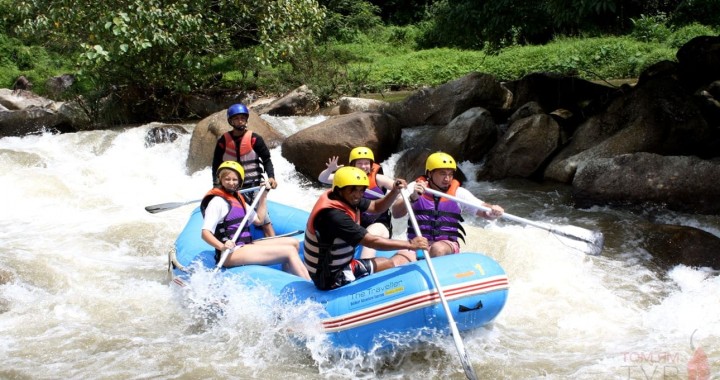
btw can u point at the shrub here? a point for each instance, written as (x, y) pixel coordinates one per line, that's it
(686, 33)
(650, 28)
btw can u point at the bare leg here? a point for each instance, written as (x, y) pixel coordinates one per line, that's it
(377, 229)
(400, 258)
(440, 248)
(265, 254)
(289, 241)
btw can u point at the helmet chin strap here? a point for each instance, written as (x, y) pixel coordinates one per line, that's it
(430, 180)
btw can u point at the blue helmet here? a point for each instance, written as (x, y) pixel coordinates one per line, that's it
(237, 109)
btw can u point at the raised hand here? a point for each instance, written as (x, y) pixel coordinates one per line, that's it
(332, 164)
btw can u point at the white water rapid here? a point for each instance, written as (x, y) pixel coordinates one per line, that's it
(84, 291)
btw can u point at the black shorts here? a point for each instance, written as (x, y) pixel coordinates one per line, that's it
(356, 269)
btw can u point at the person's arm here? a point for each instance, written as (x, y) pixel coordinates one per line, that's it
(384, 181)
(398, 208)
(264, 153)
(327, 175)
(217, 158)
(214, 242)
(377, 242)
(261, 206)
(381, 205)
(336, 224)
(215, 211)
(495, 210)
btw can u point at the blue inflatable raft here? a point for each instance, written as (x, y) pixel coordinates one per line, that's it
(401, 301)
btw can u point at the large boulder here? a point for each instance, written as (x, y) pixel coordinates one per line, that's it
(33, 120)
(671, 245)
(523, 149)
(59, 85)
(552, 91)
(209, 129)
(348, 105)
(411, 164)
(205, 103)
(699, 60)
(310, 148)
(439, 105)
(20, 100)
(24, 112)
(468, 136)
(686, 184)
(161, 133)
(300, 101)
(656, 116)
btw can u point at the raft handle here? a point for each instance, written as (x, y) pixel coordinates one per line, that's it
(464, 308)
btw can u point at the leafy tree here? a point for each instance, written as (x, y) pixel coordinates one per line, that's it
(402, 12)
(157, 44)
(346, 20)
(473, 24)
(706, 12)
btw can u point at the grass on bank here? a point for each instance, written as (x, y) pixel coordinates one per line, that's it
(387, 59)
(383, 61)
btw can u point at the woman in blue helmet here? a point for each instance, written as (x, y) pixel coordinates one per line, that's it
(249, 149)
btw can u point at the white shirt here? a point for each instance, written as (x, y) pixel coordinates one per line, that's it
(463, 194)
(215, 212)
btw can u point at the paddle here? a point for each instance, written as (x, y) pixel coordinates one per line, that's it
(292, 233)
(469, 372)
(154, 209)
(248, 214)
(591, 242)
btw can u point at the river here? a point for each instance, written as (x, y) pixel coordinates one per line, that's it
(84, 291)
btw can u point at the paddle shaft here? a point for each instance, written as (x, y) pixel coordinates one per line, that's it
(154, 209)
(248, 214)
(469, 372)
(292, 233)
(518, 219)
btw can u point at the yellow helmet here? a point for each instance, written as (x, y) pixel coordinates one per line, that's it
(440, 160)
(350, 176)
(232, 165)
(361, 152)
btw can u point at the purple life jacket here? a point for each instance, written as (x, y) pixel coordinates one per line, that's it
(226, 229)
(438, 218)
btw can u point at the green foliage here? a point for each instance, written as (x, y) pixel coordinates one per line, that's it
(34, 62)
(493, 25)
(705, 12)
(326, 71)
(347, 20)
(152, 44)
(275, 46)
(402, 12)
(686, 33)
(496, 24)
(650, 28)
(590, 58)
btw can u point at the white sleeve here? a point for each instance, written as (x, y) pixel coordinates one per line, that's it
(410, 188)
(214, 213)
(466, 195)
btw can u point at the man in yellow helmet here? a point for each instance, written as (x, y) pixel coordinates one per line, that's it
(333, 231)
(362, 157)
(439, 218)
